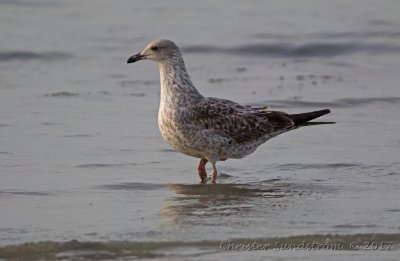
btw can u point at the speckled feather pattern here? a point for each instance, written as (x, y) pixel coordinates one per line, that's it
(210, 128)
(206, 127)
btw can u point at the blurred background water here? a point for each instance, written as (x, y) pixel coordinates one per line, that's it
(84, 171)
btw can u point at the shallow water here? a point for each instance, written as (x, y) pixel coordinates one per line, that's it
(84, 172)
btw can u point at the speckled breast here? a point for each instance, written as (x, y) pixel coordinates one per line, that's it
(178, 136)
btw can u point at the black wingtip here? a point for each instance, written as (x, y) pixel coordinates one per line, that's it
(326, 111)
(302, 118)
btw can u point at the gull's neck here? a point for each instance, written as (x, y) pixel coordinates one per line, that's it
(176, 87)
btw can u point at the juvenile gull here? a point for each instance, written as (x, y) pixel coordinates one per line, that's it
(208, 128)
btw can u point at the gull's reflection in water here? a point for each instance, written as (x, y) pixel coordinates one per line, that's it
(199, 204)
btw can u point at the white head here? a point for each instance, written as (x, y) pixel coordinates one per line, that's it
(159, 51)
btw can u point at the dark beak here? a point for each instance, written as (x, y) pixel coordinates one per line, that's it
(135, 58)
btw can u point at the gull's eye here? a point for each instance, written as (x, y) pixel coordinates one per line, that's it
(154, 48)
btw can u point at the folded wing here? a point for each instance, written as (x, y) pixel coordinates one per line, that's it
(242, 123)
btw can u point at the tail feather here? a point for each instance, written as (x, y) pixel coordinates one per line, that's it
(310, 123)
(302, 119)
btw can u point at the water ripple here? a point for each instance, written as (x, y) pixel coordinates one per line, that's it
(318, 166)
(316, 49)
(339, 103)
(132, 186)
(23, 193)
(332, 35)
(116, 250)
(104, 165)
(6, 56)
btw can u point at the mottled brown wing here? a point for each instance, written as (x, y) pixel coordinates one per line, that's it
(242, 123)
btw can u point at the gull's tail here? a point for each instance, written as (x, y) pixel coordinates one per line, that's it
(303, 119)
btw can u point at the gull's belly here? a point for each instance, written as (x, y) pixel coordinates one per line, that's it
(201, 143)
(180, 135)
(191, 140)
(181, 139)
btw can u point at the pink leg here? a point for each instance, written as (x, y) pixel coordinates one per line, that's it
(202, 170)
(214, 174)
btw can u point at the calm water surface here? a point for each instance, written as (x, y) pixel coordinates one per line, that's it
(84, 173)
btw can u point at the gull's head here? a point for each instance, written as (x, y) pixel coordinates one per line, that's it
(158, 51)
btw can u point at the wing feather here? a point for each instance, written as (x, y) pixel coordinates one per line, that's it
(241, 123)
